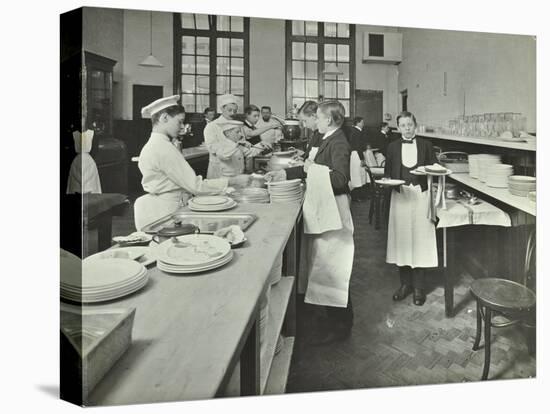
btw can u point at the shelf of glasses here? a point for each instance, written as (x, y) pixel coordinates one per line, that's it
(530, 145)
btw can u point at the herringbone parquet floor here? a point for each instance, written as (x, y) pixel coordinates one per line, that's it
(395, 344)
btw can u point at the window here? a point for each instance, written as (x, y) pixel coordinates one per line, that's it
(320, 62)
(376, 44)
(210, 59)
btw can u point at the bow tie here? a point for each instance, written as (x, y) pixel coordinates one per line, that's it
(407, 141)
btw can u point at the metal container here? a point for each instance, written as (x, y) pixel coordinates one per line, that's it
(291, 129)
(206, 222)
(455, 161)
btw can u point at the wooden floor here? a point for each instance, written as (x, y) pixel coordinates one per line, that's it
(392, 344)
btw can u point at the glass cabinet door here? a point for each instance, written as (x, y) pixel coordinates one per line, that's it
(98, 111)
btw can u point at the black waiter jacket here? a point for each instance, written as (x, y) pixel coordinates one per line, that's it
(358, 142)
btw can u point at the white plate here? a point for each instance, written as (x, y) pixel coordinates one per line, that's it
(390, 182)
(293, 182)
(106, 287)
(129, 252)
(193, 250)
(105, 296)
(210, 200)
(186, 270)
(137, 237)
(221, 207)
(100, 273)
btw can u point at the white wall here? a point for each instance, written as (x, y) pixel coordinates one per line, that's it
(494, 72)
(136, 48)
(267, 64)
(376, 76)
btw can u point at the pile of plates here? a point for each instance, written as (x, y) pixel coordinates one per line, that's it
(211, 203)
(103, 280)
(484, 161)
(521, 185)
(497, 175)
(251, 195)
(193, 253)
(285, 191)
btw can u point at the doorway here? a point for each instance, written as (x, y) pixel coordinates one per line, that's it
(369, 105)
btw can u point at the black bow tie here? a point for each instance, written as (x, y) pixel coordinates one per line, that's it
(407, 141)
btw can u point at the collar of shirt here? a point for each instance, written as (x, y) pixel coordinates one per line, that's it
(356, 127)
(329, 133)
(408, 141)
(158, 135)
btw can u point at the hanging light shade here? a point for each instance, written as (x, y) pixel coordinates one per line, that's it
(151, 60)
(332, 69)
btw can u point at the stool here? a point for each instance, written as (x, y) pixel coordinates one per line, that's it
(499, 296)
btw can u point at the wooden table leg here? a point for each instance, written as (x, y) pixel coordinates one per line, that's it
(478, 328)
(250, 362)
(487, 336)
(448, 269)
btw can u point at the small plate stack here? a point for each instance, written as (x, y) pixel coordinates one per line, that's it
(285, 191)
(251, 195)
(211, 203)
(485, 161)
(521, 185)
(497, 175)
(193, 253)
(103, 280)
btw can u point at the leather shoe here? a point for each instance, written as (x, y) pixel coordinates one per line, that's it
(419, 297)
(402, 292)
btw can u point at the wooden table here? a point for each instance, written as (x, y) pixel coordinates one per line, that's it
(190, 331)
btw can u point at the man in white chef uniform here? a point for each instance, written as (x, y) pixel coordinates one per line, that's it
(168, 179)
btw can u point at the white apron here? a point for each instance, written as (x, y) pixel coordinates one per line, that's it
(151, 207)
(327, 260)
(411, 234)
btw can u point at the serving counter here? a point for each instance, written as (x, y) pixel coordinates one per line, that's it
(191, 331)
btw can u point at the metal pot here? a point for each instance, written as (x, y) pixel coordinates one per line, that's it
(178, 229)
(291, 129)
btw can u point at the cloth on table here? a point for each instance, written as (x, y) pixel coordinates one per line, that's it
(370, 159)
(358, 175)
(460, 213)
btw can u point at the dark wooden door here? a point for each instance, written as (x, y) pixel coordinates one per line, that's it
(369, 105)
(143, 95)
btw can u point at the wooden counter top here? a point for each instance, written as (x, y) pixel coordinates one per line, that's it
(501, 194)
(188, 330)
(494, 142)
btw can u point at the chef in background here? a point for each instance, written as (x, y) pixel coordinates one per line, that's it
(233, 150)
(273, 135)
(411, 234)
(168, 179)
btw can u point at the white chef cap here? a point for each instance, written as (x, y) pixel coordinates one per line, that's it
(226, 100)
(158, 105)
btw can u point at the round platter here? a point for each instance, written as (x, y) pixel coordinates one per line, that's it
(192, 250)
(210, 200)
(390, 182)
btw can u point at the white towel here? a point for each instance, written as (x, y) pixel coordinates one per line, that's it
(370, 159)
(357, 173)
(320, 210)
(83, 175)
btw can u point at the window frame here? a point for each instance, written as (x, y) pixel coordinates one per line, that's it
(213, 35)
(320, 40)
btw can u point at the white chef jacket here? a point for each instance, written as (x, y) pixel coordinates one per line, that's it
(270, 136)
(226, 157)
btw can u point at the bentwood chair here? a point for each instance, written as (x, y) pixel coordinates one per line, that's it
(511, 300)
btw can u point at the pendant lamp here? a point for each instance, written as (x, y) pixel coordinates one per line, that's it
(151, 60)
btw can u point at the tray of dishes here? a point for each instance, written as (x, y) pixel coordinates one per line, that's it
(206, 222)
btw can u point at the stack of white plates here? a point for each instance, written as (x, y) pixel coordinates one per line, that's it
(473, 169)
(211, 203)
(497, 175)
(251, 195)
(285, 191)
(103, 280)
(193, 253)
(521, 185)
(483, 162)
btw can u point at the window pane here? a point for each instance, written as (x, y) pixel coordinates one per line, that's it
(188, 102)
(311, 70)
(237, 24)
(343, 53)
(311, 51)
(203, 65)
(298, 102)
(222, 84)
(203, 84)
(237, 85)
(222, 23)
(188, 64)
(223, 47)
(344, 67)
(298, 88)
(203, 46)
(330, 29)
(298, 27)
(188, 84)
(240, 102)
(223, 66)
(330, 89)
(343, 30)
(237, 47)
(311, 88)
(327, 75)
(237, 66)
(343, 89)
(187, 21)
(311, 28)
(203, 101)
(298, 50)
(330, 53)
(188, 45)
(298, 69)
(202, 21)
(345, 103)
